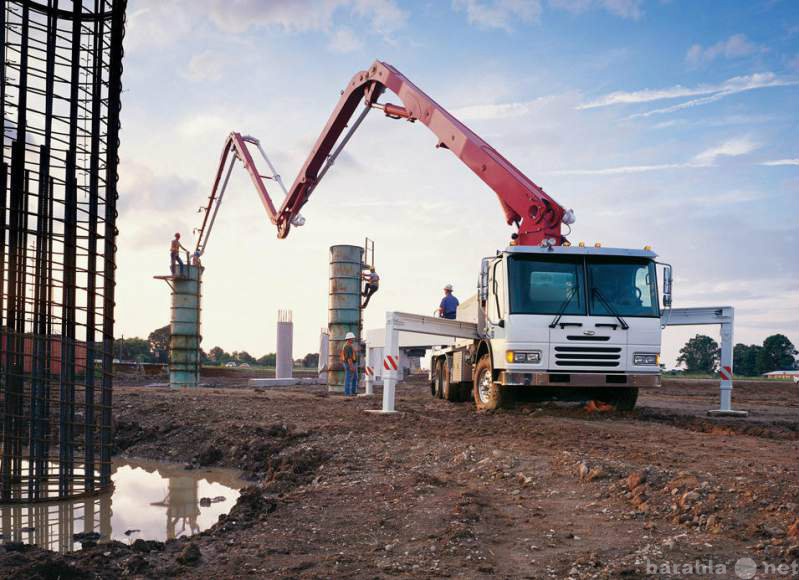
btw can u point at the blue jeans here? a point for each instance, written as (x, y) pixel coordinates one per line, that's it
(175, 257)
(350, 381)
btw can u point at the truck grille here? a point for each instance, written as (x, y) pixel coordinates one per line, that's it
(587, 356)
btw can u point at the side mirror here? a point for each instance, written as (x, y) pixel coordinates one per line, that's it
(482, 283)
(667, 282)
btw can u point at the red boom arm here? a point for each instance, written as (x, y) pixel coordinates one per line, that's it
(536, 214)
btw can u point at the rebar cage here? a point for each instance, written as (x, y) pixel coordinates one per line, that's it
(60, 103)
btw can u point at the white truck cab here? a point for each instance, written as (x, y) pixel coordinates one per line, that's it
(561, 320)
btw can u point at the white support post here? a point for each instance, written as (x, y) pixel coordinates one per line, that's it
(390, 365)
(725, 404)
(324, 352)
(724, 316)
(369, 377)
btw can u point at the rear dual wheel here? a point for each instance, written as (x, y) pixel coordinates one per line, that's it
(442, 387)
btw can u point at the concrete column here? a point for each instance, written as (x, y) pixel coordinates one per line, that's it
(324, 353)
(284, 363)
(185, 337)
(390, 374)
(344, 308)
(726, 367)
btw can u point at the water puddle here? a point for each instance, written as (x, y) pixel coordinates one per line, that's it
(150, 500)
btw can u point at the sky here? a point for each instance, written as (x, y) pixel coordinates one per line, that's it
(672, 123)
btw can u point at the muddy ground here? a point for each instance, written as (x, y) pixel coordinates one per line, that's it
(438, 490)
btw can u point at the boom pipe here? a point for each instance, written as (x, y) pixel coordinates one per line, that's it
(235, 145)
(537, 216)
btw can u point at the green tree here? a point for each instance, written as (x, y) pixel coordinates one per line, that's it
(217, 355)
(744, 359)
(311, 360)
(245, 357)
(159, 343)
(268, 360)
(700, 354)
(132, 349)
(777, 354)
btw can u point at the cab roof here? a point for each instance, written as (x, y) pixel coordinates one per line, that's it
(578, 251)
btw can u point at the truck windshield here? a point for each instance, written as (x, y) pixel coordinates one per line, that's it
(545, 284)
(627, 286)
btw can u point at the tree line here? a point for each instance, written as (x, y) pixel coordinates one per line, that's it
(155, 349)
(702, 354)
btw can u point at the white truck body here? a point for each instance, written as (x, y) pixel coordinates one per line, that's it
(562, 317)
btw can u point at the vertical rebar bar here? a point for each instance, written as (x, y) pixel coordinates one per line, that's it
(60, 103)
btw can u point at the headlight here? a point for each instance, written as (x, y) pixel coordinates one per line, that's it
(515, 356)
(646, 359)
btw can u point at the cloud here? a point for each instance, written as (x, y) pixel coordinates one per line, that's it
(302, 15)
(143, 190)
(624, 8)
(499, 14)
(344, 40)
(779, 162)
(705, 93)
(730, 86)
(630, 9)
(159, 25)
(208, 124)
(736, 46)
(498, 111)
(622, 170)
(707, 158)
(730, 148)
(206, 66)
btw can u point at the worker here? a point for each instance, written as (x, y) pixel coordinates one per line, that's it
(195, 259)
(372, 284)
(349, 357)
(449, 304)
(174, 253)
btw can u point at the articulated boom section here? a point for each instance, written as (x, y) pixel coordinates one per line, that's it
(236, 148)
(537, 216)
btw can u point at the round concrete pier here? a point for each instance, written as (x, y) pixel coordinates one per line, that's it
(344, 308)
(184, 343)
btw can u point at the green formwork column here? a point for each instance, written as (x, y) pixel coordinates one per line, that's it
(184, 343)
(344, 308)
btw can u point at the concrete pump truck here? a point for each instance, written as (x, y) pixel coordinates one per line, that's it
(549, 316)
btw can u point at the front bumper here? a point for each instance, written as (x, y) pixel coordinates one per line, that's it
(561, 379)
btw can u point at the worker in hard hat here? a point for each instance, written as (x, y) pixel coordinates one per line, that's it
(449, 304)
(349, 358)
(174, 253)
(372, 284)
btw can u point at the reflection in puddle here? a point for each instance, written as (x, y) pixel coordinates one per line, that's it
(150, 500)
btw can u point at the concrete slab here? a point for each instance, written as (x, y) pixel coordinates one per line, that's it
(274, 382)
(282, 382)
(727, 413)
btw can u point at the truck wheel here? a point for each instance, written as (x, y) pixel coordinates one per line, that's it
(487, 393)
(438, 378)
(433, 377)
(625, 398)
(448, 390)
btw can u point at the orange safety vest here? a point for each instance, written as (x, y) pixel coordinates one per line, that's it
(343, 354)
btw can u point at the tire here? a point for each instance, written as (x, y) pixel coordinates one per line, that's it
(437, 379)
(623, 398)
(487, 393)
(626, 398)
(433, 378)
(449, 391)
